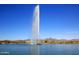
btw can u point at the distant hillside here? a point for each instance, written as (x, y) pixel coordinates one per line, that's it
(41, 41)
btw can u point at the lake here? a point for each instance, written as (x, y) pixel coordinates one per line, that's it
(50, 49)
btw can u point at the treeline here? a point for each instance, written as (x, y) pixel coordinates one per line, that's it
(60, 41)
(41, 41)
(15, 42)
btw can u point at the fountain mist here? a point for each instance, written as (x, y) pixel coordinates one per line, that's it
(35, 31)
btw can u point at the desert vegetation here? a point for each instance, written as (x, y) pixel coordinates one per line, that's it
(41, 41)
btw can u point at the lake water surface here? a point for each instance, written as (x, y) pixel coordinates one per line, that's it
(51, 49)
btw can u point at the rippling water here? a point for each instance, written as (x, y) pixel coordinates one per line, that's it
(51, 49)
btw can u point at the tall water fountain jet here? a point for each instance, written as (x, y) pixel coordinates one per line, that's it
(35, 31)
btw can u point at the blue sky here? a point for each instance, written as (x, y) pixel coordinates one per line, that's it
(56, 21)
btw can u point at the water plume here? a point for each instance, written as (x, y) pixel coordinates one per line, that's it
(35, 31)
